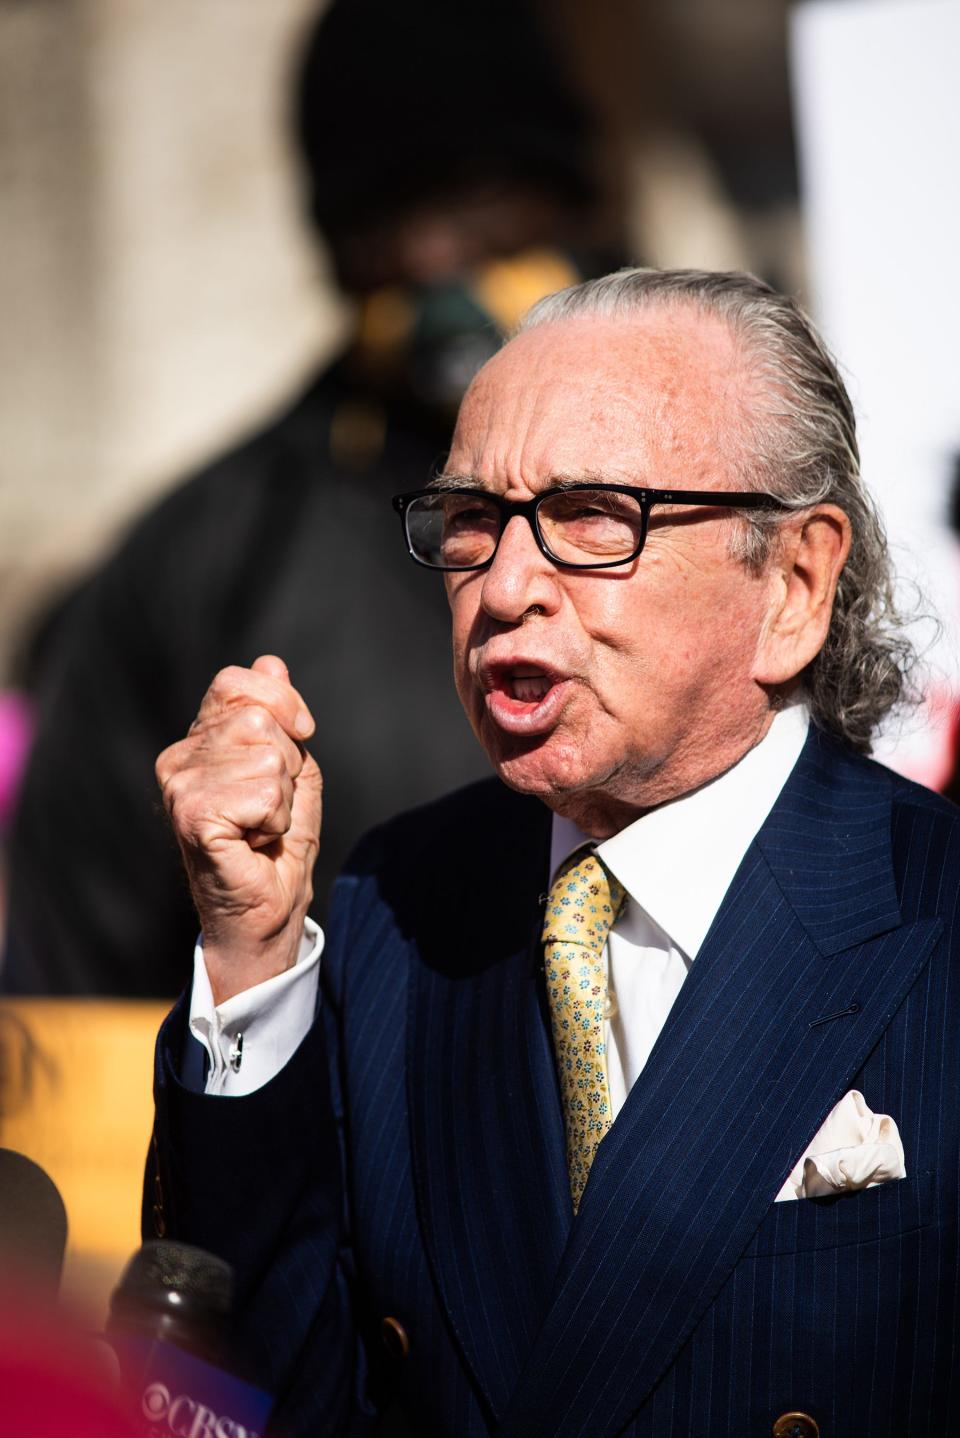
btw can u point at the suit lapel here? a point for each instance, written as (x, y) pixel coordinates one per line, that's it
(486, 1123)
(743, 1074)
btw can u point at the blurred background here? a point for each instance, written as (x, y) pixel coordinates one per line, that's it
(250, 256)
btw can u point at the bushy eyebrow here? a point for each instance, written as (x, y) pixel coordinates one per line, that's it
(453, 480)
(566, 479)
(448, 480)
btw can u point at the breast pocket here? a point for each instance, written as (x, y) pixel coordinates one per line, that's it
(889, 1210)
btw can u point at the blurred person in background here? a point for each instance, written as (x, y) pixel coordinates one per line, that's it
(15, 738)
(447, 211)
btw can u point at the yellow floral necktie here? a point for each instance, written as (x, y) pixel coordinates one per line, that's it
(581, 910)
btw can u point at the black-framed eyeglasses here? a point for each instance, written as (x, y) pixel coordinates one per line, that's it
(578, 526)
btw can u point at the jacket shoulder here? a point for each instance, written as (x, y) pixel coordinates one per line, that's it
(925, 836)
(455, 829)
(471, 863)
(924, 840)
(911, 797)
(906, 796)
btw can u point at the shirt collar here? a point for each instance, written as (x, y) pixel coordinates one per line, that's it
(678, 861)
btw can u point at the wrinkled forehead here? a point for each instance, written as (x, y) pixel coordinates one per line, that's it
(652, 398)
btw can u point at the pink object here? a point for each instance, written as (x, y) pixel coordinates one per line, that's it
(16, 732)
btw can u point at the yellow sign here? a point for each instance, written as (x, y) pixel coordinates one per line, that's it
(76, 1097)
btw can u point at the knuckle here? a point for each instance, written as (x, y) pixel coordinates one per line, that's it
(185, 809)
(271, 762)
(171, 788)
(168, 763)
(271, 792)
(229, 681)
(256, 721)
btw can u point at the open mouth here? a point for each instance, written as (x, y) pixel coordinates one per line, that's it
(523, 698)
(530, 688)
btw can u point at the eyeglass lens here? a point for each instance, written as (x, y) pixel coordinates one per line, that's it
(583, 526)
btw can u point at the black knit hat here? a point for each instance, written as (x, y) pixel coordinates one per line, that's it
(401, 99)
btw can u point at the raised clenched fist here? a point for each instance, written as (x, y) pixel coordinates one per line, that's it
(243, 796)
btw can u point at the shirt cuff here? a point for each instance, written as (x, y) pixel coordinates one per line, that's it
(250, 1037)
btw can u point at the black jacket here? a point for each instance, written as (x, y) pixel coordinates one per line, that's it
(277, 548)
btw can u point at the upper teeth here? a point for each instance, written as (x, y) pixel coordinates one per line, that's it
(529, 686)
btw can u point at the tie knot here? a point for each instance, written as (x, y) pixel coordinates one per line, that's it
(583, 904)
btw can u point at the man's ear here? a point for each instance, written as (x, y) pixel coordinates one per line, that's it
(804, 569)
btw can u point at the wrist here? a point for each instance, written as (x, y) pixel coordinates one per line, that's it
(235, 965)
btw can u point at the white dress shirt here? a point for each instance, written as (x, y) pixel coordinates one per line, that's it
(250, 1037)
(675, 863)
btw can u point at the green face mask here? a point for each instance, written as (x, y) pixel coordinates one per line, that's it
(427, 341)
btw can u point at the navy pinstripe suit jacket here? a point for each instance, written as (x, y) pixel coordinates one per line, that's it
(409, 1159)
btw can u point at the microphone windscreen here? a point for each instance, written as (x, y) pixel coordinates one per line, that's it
(33, 1221)
(174, 1291)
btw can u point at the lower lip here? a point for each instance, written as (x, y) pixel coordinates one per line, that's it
(524, 716)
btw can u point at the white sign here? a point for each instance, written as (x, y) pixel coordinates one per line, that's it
(877, 95)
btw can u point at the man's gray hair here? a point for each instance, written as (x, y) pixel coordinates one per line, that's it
(800, 444)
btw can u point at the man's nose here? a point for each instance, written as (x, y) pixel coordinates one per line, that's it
(520, 577)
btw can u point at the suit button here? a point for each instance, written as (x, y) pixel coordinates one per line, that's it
(395, 1339)
(796, 1425)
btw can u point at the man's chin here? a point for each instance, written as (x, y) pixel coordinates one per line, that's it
(534, 767)
(548, 765)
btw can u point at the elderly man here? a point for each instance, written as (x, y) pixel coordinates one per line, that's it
(631, 1103)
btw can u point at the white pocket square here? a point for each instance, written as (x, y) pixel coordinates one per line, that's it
(855, 1148)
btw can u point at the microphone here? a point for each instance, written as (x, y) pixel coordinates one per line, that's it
(33, 1224)
(168, 1323)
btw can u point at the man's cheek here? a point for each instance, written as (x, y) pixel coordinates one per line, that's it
(461, 628)
(468, 691)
